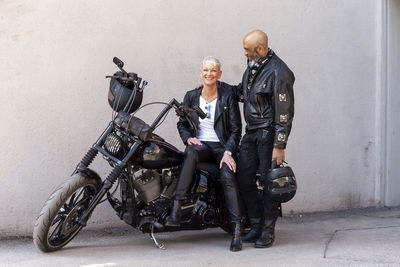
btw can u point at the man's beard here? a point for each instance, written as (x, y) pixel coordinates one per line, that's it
(252, 62)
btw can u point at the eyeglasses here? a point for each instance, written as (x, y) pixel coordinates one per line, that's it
(208, 108)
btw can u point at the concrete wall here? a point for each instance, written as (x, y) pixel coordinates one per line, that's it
(392, 196)
(54, 56)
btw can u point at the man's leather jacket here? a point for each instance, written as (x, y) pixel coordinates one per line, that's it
(268, 98)
(227, 122)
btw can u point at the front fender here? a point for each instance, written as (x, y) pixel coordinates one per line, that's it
(89, 173)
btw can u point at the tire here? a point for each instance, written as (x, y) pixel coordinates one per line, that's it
(57, 223)
(227, 227)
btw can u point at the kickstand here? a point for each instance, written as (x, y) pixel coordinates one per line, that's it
(159, 245)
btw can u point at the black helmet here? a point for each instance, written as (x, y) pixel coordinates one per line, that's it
(120, 93)
(281, 183)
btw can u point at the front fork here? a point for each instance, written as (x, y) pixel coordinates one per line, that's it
(111, 178)
(120, 164)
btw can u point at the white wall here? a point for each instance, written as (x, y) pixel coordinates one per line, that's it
(392, 196)
(54, 56)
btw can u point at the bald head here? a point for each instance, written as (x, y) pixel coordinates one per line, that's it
(257, 37)
(255, 45)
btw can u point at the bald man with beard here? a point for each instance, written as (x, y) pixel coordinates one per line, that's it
(267, 92)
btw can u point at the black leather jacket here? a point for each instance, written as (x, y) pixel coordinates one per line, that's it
(227, 124)
(268, 98)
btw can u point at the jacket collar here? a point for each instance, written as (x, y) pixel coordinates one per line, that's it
(219, 107)
(251, 72)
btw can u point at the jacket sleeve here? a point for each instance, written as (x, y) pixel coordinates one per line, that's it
(235, 124)
(284, 108)
(183, 125)
(238, 92)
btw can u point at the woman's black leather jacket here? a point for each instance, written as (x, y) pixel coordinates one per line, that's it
(227, 123)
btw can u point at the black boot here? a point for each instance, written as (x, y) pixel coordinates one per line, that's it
(173, 220)
(255, 230)
(236, 243)
(267, 235)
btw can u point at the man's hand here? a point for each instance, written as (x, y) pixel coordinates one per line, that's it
(194, 141)
(278, 155)
(228, 160)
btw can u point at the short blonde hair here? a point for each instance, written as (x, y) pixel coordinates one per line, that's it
(212, 59)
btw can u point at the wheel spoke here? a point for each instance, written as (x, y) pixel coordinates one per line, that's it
(57, 219)
(57, 228)
(71, 200)
(66, 208)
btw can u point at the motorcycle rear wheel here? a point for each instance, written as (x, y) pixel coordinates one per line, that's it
(227, 227)
(57, 223)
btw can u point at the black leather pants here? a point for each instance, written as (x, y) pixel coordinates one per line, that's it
(211, 152)
(256, 153)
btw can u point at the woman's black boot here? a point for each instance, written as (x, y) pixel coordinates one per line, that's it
(267, 237)
(174, 219)
(236, 243)
(255, 230)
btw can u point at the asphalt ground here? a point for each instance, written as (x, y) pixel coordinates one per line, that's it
(358, 237)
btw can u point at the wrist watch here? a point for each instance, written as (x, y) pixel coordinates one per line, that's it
(228, 153)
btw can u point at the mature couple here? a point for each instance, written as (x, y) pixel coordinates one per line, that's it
(267, 92)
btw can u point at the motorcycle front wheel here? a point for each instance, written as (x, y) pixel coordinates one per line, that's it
(57, 223)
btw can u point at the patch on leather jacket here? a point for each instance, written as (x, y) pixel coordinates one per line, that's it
(283, 118)
(281, 137)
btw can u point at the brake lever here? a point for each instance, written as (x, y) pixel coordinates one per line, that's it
(112, 76)
(179, 110)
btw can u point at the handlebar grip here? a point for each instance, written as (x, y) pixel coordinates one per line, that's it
(199, 112)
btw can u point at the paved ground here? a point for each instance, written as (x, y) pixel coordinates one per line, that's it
(365, 237)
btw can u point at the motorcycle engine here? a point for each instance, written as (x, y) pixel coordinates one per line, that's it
(147, 184)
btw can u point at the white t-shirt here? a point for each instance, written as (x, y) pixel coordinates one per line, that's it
(206, 128)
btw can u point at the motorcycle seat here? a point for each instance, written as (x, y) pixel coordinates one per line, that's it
(208, 167)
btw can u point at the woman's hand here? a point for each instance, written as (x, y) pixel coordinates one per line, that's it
(228, 160)
(194, 141)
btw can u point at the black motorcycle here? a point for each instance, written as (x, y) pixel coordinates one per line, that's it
(145, 169)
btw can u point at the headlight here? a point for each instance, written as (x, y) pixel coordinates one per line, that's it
(113, 144)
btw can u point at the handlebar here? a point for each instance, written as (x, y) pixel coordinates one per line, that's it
(122, 78)
(127, 78)
(181, 110)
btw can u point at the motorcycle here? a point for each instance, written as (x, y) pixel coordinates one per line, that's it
(145, 169)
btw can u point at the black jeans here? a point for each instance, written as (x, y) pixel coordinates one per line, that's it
(211, 152)
(256, 153)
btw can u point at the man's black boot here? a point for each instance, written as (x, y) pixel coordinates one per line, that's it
(255, 230)
(236, 243)
(173, 220)
(267, 235)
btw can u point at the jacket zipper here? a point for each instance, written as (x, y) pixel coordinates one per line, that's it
(259, 107)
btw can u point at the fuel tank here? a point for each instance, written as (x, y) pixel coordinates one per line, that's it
(158, 154)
